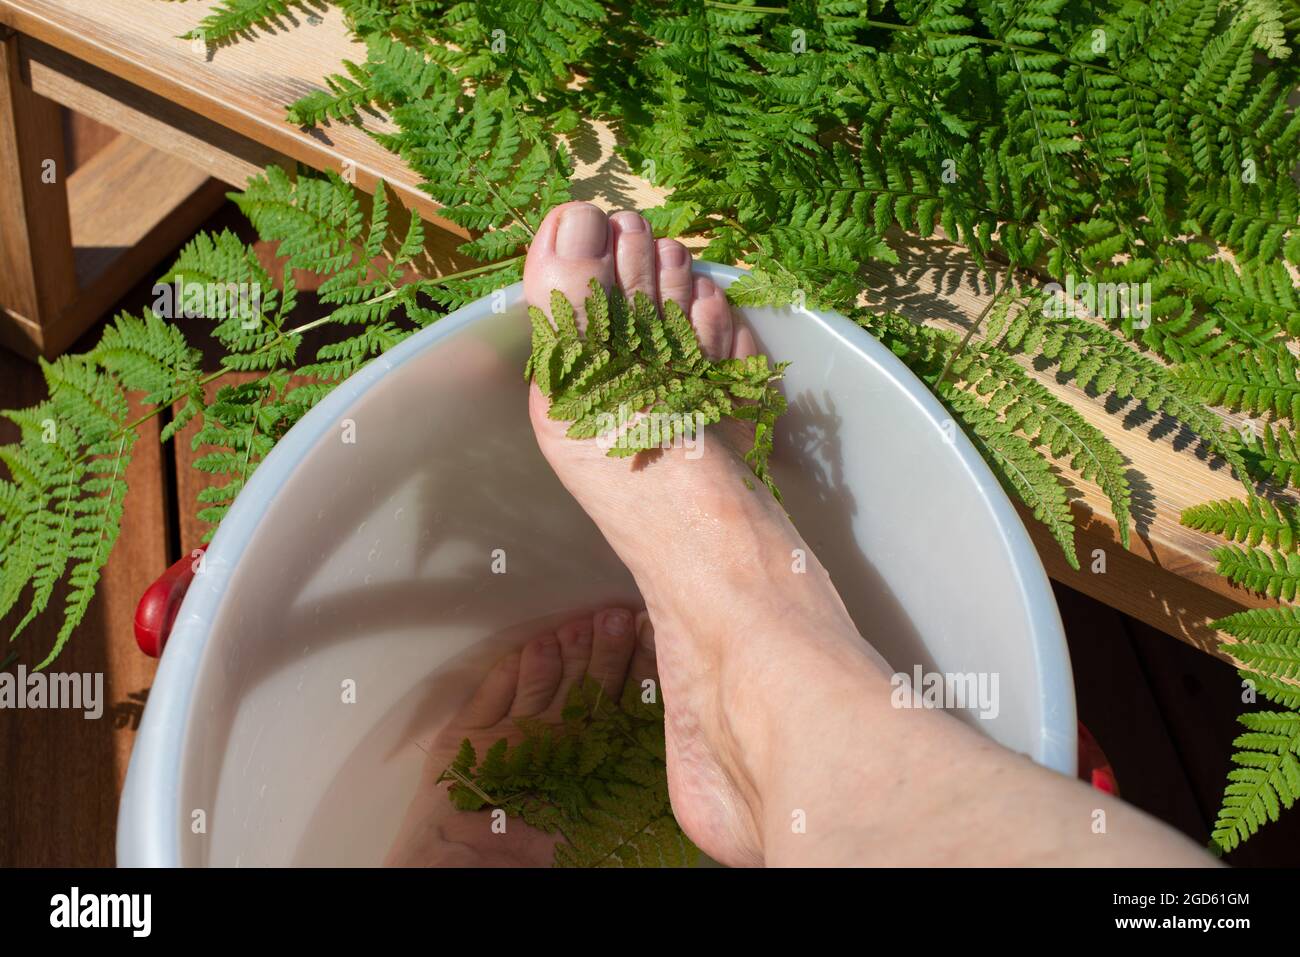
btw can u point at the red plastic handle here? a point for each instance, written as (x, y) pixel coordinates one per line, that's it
(1094, 768)
(156, 613)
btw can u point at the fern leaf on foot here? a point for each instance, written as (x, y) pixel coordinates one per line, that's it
(638, 380)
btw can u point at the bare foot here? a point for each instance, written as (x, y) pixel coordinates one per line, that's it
(712, 552)
(531, 683)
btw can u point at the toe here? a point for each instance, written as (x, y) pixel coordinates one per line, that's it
(643, 667)
(634, 254)
(744, 344)
(711, 316)
(539, 673)
(575, 652)
(611, 650)
(674, 273)
(491, 701)
(573, 244)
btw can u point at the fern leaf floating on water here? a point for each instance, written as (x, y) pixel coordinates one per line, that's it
(600, 780)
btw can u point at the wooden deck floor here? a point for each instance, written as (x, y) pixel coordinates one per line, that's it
(1163, 711)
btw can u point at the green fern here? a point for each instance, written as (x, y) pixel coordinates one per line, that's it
(62, 502)
(1259, 382)
(1274, 574)
(62, 506)
(1262, 624)
(1026, 474)
(1277, 456)
(1012, 416)
(638, 381)
(1253, 522)
(1030, 408)
(1266, 778)
(234, 18)
(1278, 690)
(600, 781)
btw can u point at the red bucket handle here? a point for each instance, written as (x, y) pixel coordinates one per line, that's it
(156, 612)
(1094, 768)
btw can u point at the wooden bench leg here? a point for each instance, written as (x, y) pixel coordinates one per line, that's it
(37, 269)
(72, 242)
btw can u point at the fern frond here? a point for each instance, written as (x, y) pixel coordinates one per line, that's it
(1277, 455)
(1030, 408)
(1266, 778)
(1095, 359)
(638, 380)
(1252, 522)
(1259, 383)
(1281, 624)
(1277, 690)
(1274, 574)
(233, 18)
(599, 780)
(394, 74)
(1024, 472)
(62, 504)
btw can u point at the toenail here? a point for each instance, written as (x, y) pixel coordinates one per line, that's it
(629, 222)
(672, 254)
(583, 233)
(617, 622)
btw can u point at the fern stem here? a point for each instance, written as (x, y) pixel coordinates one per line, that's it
(307, 326)
(744, 7)
(965, 340)
(519, 217)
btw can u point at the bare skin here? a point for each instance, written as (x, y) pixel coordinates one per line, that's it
(533, 683)
(778, 711)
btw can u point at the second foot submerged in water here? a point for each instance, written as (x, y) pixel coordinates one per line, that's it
(610, 649)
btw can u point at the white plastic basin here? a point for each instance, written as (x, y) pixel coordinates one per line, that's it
(370, 562)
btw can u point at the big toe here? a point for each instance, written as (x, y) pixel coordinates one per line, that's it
(573, 245)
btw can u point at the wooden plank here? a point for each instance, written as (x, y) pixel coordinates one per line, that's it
(164, 125)
(242, 87)
(224, 109)
(63, 772)
(129, 206)
(36, 268)
(82, 136)
(1167, 579)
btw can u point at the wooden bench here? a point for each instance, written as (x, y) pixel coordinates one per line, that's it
(191, 113)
